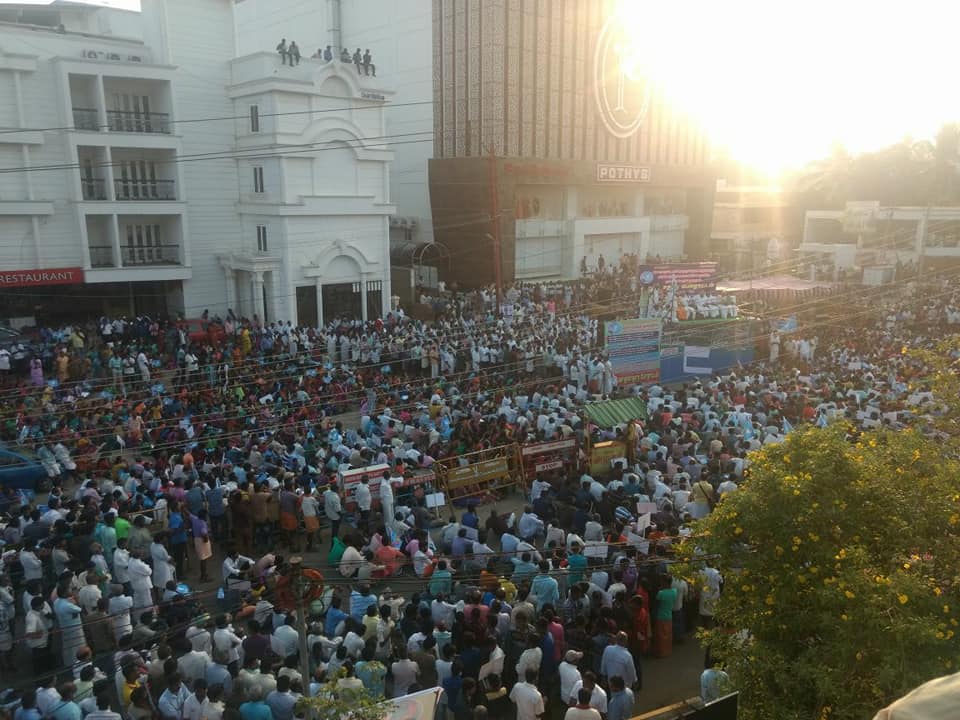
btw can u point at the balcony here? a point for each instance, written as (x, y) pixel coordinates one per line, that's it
(139, 190)
(86, 119)
(138, 122)
(102, 256)
(140, 256)
(93, 189)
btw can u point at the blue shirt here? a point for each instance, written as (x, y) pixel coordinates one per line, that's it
(620, 705)
(461, 546)
(178, 530)
(546, 589)
(508, 543)
(577, 564)
(335, 616)
(66, 711)
(256, 711)
(359, 604)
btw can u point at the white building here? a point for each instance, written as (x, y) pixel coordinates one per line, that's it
(398, 34)
(92, 146)
(872, 238)
(314, 191)
(147, 169)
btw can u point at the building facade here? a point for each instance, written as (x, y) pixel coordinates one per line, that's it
(398, 34)
(869, 241)
(314, 200)
(552, 148)
(148, 169)
(755, 227)
(92, 149)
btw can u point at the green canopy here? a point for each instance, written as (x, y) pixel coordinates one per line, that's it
(615, 412)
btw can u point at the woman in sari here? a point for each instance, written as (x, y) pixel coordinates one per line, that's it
(663, 619)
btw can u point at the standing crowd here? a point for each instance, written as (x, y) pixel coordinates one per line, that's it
(216, 461)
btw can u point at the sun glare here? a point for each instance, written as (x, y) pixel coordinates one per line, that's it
(778, 84)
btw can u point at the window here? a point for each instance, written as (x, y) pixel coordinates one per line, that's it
(143, 245)
(258, 179)
(254, 118)
(262, 238)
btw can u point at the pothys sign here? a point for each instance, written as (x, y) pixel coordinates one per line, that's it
(607, 172)
(622, 95)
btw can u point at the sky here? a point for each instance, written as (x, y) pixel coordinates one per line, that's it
(779, 84)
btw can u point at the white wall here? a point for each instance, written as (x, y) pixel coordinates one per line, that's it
(202, 45)
(399, 35)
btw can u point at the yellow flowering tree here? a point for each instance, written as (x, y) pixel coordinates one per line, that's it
(841, 560)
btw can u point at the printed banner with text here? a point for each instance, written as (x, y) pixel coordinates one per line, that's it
(634, 349)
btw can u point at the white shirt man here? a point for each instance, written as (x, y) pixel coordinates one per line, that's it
(226, 641)
(173, 700)
(193, 665)
(569, 674)
(32, 565)
(364, 497)
(527, 698)
(598, 698)
(141, 582)
(285, 641)
(121, 563)
(331, 504)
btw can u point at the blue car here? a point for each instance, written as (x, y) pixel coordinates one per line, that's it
(20, 472)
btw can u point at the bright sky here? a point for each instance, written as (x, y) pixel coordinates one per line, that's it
(779, 83)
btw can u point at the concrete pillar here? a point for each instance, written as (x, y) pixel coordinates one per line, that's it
(258, 308)
(319, 301)
(231, 289)
(363, 296)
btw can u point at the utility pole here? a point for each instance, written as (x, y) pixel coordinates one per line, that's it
(495, 221)
(299, 587)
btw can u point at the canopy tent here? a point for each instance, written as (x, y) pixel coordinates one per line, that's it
(608, 413)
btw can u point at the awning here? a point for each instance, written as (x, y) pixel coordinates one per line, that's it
(608, 413)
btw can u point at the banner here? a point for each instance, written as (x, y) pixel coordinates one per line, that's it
(688, 276)
(416, 706)
(633, 347)
(46, 276)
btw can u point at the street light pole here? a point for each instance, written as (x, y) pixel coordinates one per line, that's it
(495, 221)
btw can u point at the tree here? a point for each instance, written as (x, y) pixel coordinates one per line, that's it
(335, 703)
(840, 556)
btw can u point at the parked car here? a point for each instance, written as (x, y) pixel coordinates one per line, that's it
(201, 332)
(20, 471)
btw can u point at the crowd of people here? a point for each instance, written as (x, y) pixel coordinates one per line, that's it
(172, 453)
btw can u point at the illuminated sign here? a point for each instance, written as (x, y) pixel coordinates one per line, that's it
(622, 173)
(622, 95)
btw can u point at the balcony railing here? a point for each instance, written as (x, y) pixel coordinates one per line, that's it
(145, 189)
(85, 119)
(93, 189)
(140, 255)
(138, 122)
(102, 256)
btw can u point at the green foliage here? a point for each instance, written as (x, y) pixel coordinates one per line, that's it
(840, 564)
(334, 703)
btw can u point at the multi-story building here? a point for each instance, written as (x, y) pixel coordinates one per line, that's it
(98, 127)
(149, 164)
(868, 240)
(314, 191)
(552, 147)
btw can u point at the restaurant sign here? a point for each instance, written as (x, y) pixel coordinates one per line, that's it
(48, 276)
